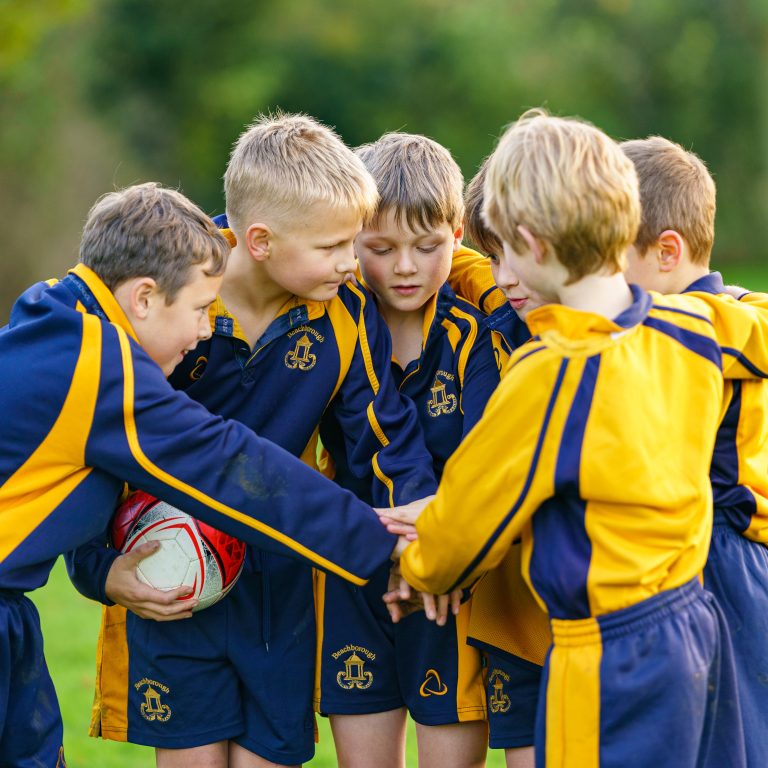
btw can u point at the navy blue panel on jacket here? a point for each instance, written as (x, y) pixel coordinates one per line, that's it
(88, 410)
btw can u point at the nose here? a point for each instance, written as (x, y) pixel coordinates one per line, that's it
(346, 262)
(505, 277)
(204, 330)
(405, 263)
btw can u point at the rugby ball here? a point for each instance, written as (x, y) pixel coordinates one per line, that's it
(191, 552)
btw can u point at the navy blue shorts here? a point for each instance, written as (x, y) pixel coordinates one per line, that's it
(649, 685)
(512, 694)
(368, 664)
(239, 670)
(737, 575)
(31, 731)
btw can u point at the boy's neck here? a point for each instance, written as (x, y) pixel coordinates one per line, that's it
(606, 295)
(250, 294)
(406, 330)
(684, 275)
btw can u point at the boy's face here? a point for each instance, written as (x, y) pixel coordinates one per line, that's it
(311, 258)
(168, 331)
(405, 267)
(520, 297)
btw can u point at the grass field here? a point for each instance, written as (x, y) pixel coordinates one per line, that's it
(71, 626)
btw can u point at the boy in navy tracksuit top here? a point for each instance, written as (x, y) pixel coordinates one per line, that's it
(112, 330)
(289, 348)
(371, 672)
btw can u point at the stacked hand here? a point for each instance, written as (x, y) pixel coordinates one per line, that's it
(400, 598)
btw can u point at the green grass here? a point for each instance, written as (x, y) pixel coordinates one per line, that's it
(71, 627)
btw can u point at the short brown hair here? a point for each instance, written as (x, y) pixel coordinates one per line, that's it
(676, 192)
(569, 184)
(417, 178)
(149, 231)
(282, 164)
(476, 231)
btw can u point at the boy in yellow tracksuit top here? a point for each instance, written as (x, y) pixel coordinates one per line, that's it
(671, 255)
(595, 449)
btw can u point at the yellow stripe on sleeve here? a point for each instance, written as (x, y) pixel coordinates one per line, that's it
(364, 348)
(57, 465)
(387, 481)
(376, 427)
(131, 434)
(469, 342)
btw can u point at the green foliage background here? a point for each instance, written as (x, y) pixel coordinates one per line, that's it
(102, 93)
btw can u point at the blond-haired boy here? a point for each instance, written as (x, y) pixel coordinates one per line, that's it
(595, 449)
(443, 361)
(514, 648)
(671, 255)
(86, 401)
(291, 347)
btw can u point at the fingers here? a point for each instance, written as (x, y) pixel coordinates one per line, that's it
(430, 606)
(143, 551)
(401, 529)
(125, 588)
(162, 605)
(394, 609)
(436, 608)
(443, 605)
(456, 597)
(406, 513)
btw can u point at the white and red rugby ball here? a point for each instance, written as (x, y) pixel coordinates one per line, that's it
(191, 552)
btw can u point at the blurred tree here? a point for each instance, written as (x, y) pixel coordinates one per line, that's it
(180, 78)
(171, 84)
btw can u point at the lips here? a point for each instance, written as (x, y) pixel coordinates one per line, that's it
(405, 290)
(518, 303)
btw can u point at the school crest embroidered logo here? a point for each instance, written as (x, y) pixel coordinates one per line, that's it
(199, 369)
(153, 708)
(441, 401)
(433, 685)
(354, 674)
(498, 701)
(300, 357)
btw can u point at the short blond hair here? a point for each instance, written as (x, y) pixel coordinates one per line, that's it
(570, 185)
(676, 192)
(149, 231)
(476, 231)
(417, 178)
(283, 164)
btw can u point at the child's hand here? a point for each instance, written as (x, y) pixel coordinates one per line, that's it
(405, 530)
(735, 290)
(401, 520)
(124, 588)
(436, 606)
(400, 599)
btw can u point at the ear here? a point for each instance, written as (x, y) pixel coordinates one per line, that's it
(136, 297)
(257, 240)
(535, 246)
(670, 250)
(457, 235)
